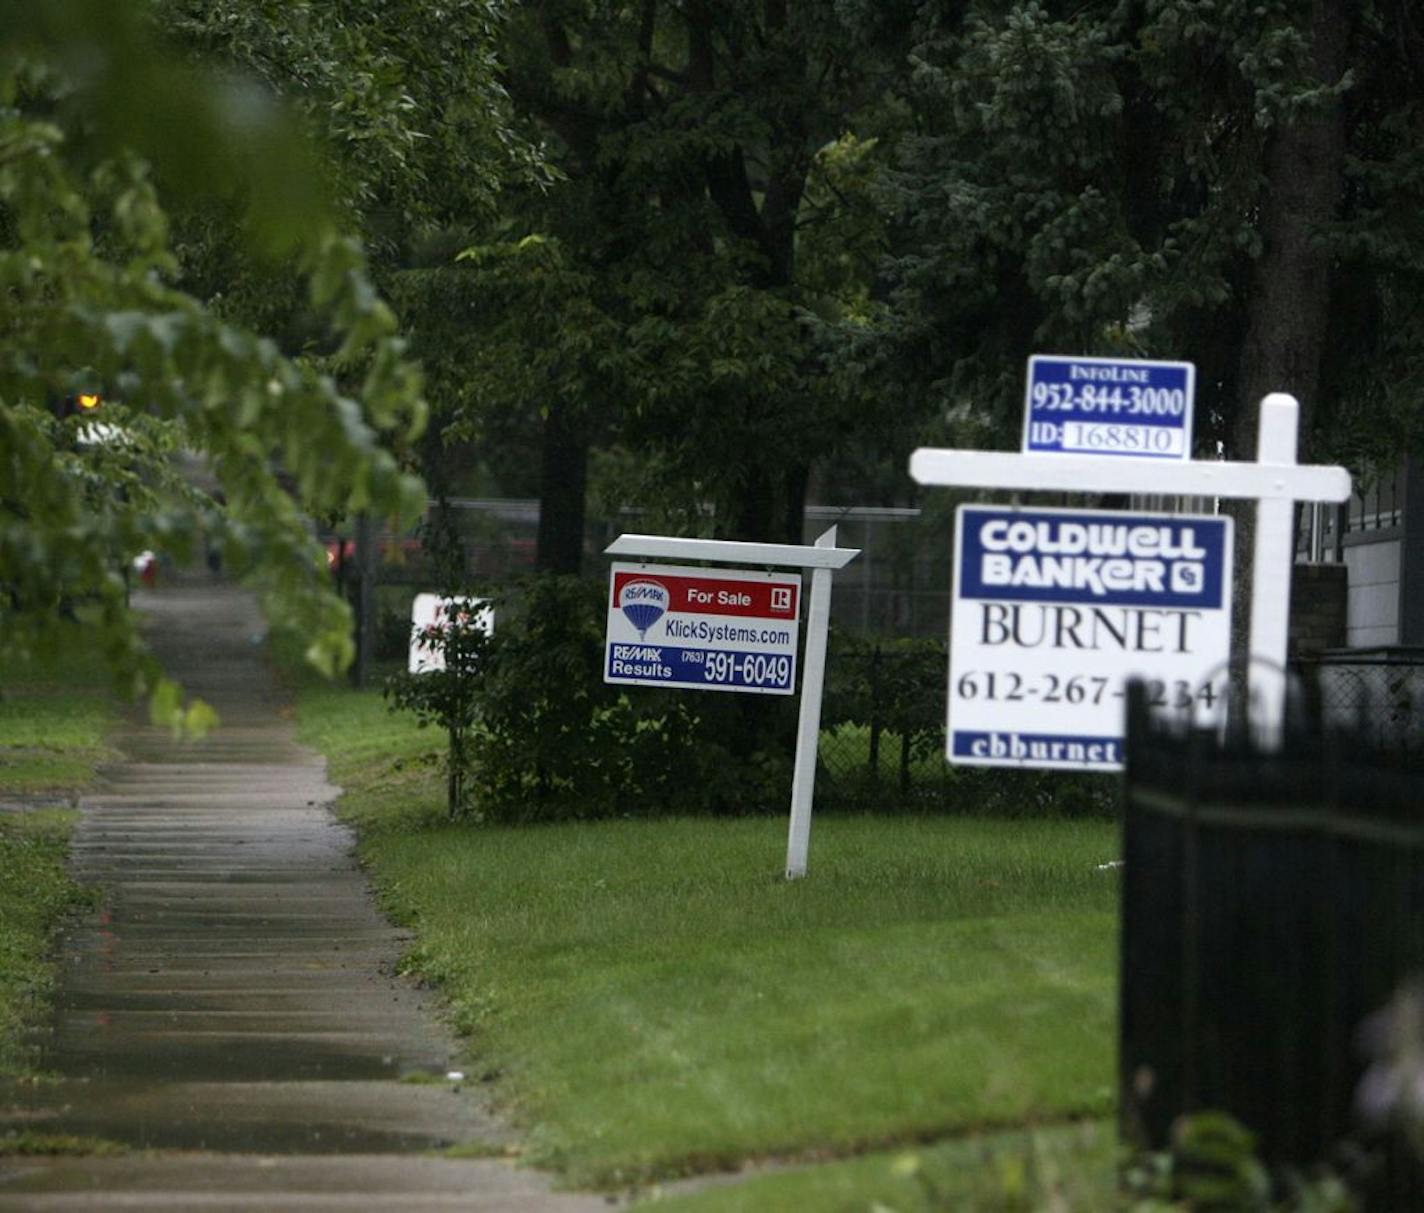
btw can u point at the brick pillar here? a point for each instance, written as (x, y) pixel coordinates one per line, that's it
(1317, 611)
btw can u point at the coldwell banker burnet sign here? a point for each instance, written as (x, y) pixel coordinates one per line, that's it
(1054, 610)
(703, 629)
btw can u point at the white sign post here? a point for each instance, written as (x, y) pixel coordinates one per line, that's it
(822, 559)
(1275, 481)
(808, 725)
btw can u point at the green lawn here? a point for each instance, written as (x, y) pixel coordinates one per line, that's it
(52, 728)
(53, 721)
(34, 893)
(652, 999)
(1069, 1169)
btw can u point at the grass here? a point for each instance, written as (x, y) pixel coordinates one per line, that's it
(390, 769)
(32, 1145)
(660, 1001)
(1071, 1169)
(652, 999)
(53, 722)
(35, 891)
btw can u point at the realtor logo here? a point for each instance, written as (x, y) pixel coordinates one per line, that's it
(1187, 578)
(781, 599)
(644, 603)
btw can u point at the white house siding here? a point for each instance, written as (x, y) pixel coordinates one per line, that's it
(1372, 615)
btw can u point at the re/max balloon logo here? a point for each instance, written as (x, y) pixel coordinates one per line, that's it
(643, 603)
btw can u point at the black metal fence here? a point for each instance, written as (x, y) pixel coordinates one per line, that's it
(882, 743)
(882, 722)
(1273, 907)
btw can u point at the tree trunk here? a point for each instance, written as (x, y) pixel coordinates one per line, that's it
(756, 516)
(1290, 292)
(1288, 306)
(562, 485)
(797, 479)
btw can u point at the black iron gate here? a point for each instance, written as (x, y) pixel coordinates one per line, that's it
(1272, 904)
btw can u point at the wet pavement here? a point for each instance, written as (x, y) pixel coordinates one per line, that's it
(235, 988)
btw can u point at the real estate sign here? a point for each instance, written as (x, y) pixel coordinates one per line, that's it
(1054, 610)
(703, 629)
(1109, 406)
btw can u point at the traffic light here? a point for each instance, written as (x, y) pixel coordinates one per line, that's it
(80, 404)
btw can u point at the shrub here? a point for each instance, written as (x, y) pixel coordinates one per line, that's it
(392, 640)
(449, 697)
(894, 689)
(555, 742)
(893, 686)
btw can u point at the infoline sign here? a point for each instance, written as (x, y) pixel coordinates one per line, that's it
(1054, 610)
(1109, 406)
(709, 630)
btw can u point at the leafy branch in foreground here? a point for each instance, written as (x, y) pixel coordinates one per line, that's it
(86, 270)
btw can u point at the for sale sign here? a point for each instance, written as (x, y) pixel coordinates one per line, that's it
(710, 630)
(1054, 610)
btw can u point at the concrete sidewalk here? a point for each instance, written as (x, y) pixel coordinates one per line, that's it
(235, 991)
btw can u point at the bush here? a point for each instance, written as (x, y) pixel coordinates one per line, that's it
(893, 691)
(392, 641)
(1212, 1167)
(449, 697)
(555, 742)
(888, 686)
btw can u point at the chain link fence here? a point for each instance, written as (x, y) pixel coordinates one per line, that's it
(1373, 693)
(882, 744)
(899, 585)
(883, 737)
(882, 719)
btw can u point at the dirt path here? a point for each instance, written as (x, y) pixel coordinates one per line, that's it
(234, 991)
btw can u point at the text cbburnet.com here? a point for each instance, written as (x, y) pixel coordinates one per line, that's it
(700, 629)
(1044, 749)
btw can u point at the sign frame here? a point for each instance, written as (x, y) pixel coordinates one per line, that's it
(1274, 480)
(822, 558)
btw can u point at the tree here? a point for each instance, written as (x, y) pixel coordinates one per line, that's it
(98, 126)
(1227, 183)
(684, 288)
(415, 136)
(1236, 184)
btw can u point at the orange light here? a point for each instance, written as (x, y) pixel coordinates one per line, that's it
(89, 400)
